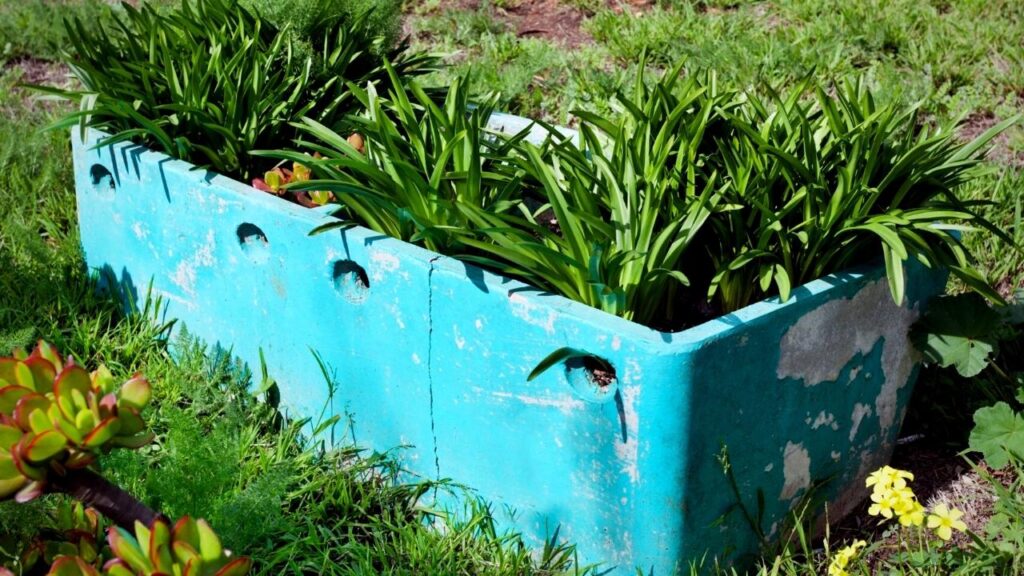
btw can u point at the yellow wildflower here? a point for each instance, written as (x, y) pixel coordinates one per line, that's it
(842, 558)
(944, 520)
(888, 477)
(892, 502)
(914, 516)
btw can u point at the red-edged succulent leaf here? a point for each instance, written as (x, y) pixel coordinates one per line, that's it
(160, 545)
(124, 546)
(30, 492)
(9, 396)
(9, 436)
(117, 567)
(131, 421)
(85, 421)
(79, 460)
(185, 553)
(45, 446)
(237, 567)
(11, 480)
(136, 392)
(47, 351)
(103, 381)
(210, 548)
(186, 531)
(23, 377)
(42, 370)
(71, 566)
(39, 421)
(133, 442)
(102, 433)
(7, 370)
(108, 405)
(71, 379)
(64, 426)
(26, 405)
(24, 467)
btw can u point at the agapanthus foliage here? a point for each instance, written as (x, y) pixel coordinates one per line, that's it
(55, 416)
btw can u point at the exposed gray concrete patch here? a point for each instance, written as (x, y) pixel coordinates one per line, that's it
(845, 328)
(796, 470)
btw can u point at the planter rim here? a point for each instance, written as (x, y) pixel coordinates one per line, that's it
(689, 338)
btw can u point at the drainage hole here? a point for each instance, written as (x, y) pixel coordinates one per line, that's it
(102, 181)
(593, 378)
(253, 242)
(351, 281)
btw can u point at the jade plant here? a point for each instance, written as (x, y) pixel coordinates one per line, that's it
(56, 419)
(188, 548)
(79, 532)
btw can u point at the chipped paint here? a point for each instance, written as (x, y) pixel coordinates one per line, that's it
(846, 328)
(616, 342)
(825, 419)
(416, 358)
(384, 263)
(140, 232)
(532, 313)
(796, 470)
(565, 404)
(184, 275)
(859, 412)
(460, 340)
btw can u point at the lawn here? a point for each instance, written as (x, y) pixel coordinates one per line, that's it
(294, 505)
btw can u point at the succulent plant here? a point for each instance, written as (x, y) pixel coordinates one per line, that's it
(55, 417)
(190, 548)
(79, 533)
(274, 182)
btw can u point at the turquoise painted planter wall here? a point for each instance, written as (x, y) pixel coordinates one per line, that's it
(807, 395)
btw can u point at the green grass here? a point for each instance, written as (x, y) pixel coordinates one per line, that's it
(221, 453)
(297, 509)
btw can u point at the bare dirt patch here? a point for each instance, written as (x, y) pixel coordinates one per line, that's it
(546, 19)
(27, 70)
(1001, 151)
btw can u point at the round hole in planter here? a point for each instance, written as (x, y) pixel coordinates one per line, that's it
(592, 378)
(351, 281)
(102, 181)
(253, 242)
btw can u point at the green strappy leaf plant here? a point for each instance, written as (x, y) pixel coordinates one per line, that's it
(210, 81)
(411, 162)
(824, 183)
(629, 198)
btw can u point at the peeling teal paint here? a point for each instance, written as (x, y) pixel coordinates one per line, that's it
(434, 353)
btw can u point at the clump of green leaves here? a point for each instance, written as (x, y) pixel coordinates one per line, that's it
(412, 168)
(628, 199)
(55, 417)
(210, 81)
(818, 185)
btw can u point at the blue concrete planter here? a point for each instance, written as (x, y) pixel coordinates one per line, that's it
(807, 396)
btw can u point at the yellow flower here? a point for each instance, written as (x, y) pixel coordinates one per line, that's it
(944, 520)
(892, 502)
(842, 558)
(914, 516)
(888, 477)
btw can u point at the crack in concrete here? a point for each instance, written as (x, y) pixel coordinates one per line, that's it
(430, 358)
